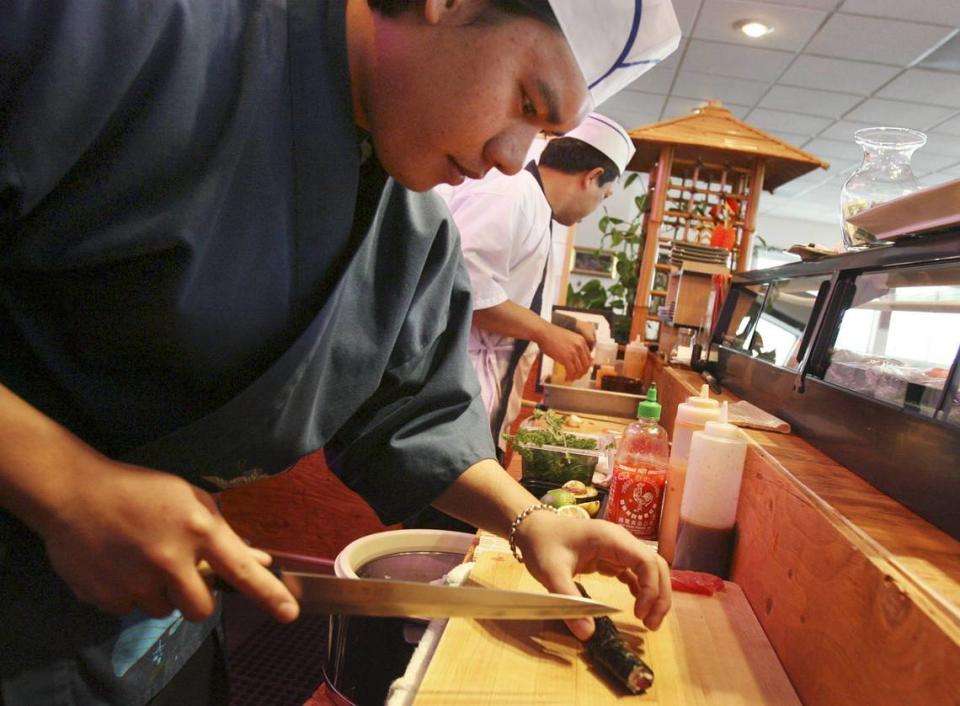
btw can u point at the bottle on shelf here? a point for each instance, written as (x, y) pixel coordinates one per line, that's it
(604, 359)
(640, 471)
(692, 415)
(708, 511)
(634, 359)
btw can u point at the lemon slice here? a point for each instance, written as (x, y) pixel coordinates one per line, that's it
(574, 511)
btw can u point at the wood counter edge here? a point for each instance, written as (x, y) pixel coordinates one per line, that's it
(844, 606)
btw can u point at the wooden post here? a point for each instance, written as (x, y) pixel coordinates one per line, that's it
(651, 243)
(750, 217)
(565, 267)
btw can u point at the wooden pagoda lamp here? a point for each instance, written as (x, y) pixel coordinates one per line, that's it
(707, 170)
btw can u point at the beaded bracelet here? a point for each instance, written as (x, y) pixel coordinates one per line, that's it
(516, 523)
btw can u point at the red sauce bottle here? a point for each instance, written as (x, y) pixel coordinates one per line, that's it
(640, 472)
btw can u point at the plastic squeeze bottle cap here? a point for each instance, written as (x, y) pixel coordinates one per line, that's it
(650, 408)
(698, 409)
(722, 429)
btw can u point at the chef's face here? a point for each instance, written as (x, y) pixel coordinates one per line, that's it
(585, 197)
(453, 91)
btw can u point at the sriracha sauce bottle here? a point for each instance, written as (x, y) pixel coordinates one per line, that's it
(640, 472)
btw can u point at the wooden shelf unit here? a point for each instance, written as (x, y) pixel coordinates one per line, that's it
(697, 163)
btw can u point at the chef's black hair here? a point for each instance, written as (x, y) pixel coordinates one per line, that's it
(537, 9)
(570, 155)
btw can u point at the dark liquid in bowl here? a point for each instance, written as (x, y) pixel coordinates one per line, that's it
(367, 654)
(422, 567)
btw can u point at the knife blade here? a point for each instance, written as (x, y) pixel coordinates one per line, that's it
(320, 593)
(326, 594)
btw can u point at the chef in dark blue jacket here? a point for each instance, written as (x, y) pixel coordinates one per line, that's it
(216, 256)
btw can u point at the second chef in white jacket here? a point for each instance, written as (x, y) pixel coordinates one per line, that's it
(505, 225)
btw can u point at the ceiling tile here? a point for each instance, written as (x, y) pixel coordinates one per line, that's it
(813, 4)
(922, 86)
(793, 26)
(686, 13)
(673, 61)
(844, 129)
(809, 101)
(837, 74)
(660, 77)
(942, 12)
(872, 39)
(635, 102)
(729, 90)
(791, 122)
(734, 60)
(936, 179)
(949, 127)
(896, 113)
(942, 144)
(924, 162)
(656, 80)
(842, 149)
(791, 138)
(841, 168)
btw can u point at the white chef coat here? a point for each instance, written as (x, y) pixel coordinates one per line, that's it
(504, 223)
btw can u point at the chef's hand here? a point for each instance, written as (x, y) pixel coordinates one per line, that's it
(568, 348)
(122, 536)
(589, 332)
(130, 537)
(556, 548)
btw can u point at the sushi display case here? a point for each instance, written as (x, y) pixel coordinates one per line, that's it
(859, 353)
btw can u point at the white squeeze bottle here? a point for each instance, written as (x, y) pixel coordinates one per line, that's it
(634, 358)
(692, 415)
(708, 511)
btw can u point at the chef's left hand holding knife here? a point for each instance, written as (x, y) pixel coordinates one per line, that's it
(124, 536)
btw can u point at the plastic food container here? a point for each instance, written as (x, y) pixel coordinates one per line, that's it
(555, 464)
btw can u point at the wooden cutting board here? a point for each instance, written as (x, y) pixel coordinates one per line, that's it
(710, 650)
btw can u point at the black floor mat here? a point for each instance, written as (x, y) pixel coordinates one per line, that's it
(279, 665)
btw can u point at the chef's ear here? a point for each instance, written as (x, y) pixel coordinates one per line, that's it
(594, 175)
(452, 12)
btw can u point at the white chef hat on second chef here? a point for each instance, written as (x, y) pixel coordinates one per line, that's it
(614, 41)
(606, 135)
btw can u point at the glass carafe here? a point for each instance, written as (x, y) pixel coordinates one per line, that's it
(884, 174)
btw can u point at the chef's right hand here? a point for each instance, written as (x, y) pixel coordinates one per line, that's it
(131, 537)
(568, 348)
(123, 536)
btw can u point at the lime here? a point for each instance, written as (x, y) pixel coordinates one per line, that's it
(558, 497)
(574, 511)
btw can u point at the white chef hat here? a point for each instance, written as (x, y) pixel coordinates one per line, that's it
(606, 135)
(614, 41)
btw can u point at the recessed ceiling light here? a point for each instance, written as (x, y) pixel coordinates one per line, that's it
(753, 28)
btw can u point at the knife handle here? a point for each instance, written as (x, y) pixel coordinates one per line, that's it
(215, 582)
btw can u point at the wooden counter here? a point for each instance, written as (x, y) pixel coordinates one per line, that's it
(859, 596)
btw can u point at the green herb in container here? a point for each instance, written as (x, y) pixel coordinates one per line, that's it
(551, 455)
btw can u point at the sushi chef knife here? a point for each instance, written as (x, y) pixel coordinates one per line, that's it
(324, 594)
